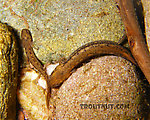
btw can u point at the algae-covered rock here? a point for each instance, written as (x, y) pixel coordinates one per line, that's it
(8, 73)
(60, 27)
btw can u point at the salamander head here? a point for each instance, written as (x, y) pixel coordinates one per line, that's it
(26, 36)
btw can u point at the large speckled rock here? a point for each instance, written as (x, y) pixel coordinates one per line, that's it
(102, 89)
(60, 27)
(8, 73)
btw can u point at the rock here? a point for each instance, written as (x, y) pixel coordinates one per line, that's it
(60, 27)
(8, 72)
(31, 96)
(101, 89)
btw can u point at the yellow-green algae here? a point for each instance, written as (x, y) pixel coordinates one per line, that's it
(59, 27)
(74, 23)
(8, 73)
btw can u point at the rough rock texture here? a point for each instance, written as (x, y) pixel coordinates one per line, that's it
(100, 89)
(8, 73)
(60, 27)
(113, 86)
(31, 96)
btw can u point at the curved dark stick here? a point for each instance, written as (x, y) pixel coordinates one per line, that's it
(135, 38)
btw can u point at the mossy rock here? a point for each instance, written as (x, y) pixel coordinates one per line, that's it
(8, 72)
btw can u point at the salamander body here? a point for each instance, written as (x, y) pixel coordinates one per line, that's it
(64, 70)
